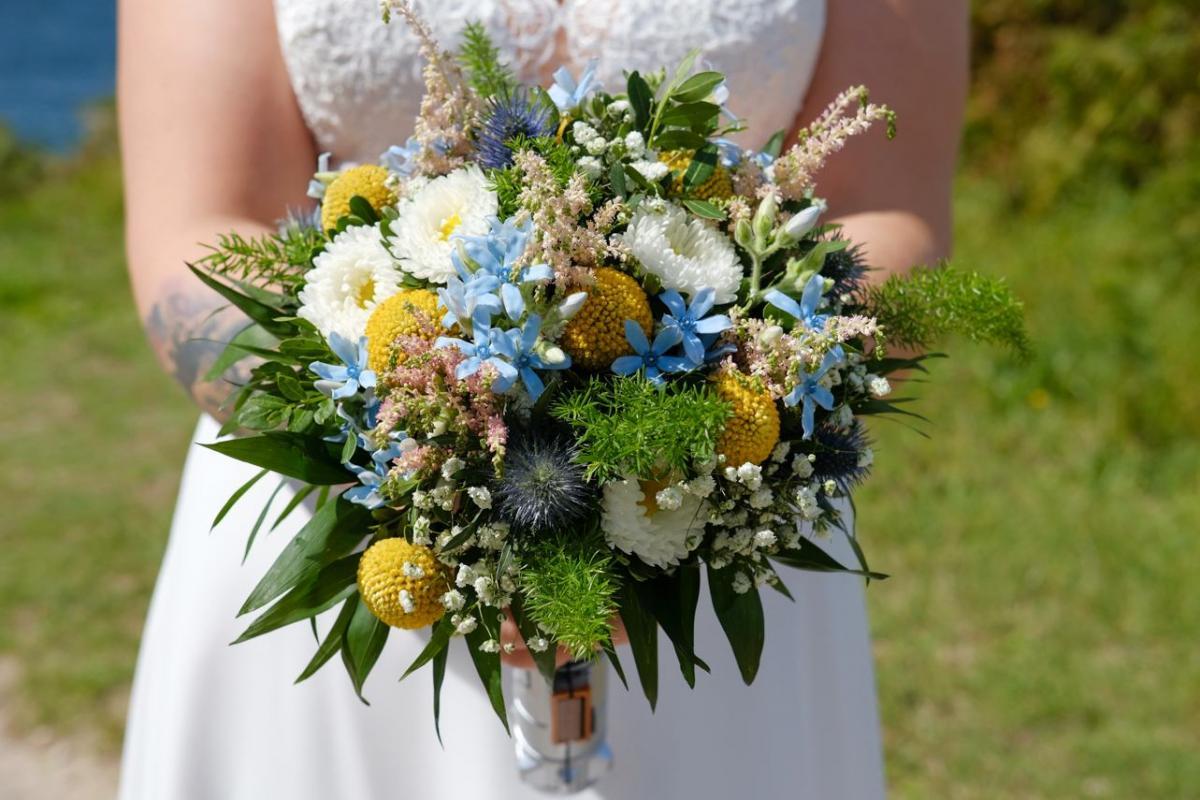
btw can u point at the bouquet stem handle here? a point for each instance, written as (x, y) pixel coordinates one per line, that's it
(560, 730)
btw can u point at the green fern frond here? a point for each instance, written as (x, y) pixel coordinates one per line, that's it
(569, 583)
(481, 62)
(629, 426)
(926, 305)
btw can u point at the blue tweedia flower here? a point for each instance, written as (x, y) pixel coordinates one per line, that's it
(810, 393)
(527, 359)
(511, 115)
(732, 154)
(298, 221)
(316, 186)
(343, 380)
(488, 346)
(567, 93)
(402, 160)
(693, 326)
(839, 454)
(373, 477)
(486, 266)
(805, 311)
(650, 357)
(464, 300)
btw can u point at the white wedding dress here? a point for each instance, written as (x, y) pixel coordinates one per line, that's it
(213, 722)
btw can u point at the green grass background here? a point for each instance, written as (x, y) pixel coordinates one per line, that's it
(1039, 636)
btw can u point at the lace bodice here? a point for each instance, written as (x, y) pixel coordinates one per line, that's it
(358, 80)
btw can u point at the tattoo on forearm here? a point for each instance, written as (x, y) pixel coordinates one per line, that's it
(188, 328)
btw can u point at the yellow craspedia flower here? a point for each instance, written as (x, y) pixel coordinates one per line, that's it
(719, 184)
(406, 313)
(369, 181)
(595, 336)
(752, 430)
(403, 583)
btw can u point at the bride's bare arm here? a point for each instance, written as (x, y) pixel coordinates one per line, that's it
(211, 141)
(894, 197)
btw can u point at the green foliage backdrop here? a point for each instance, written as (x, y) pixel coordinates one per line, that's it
(1038, 636)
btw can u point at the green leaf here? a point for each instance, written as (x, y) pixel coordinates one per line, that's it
(741, 617)
(704, 164)
(640, 98)
(698, 117)
(774, 145)
(296, 500)
(260, 312)
(672, 600)
(697, 87)
(333, 532)
(364, 639)
(439, 675)
(643, 641)
(679, 139)
(290, 388)
(615, 660)
(362, 208)
(263, 412)
(811, 557)
(488, 667)
(233, 498)
(332, 643)
(616, 176)
(329, 587)
(545, 660)
(262, 516)
(703, 208)
(438, 639)
(297, 456)
(252, 335)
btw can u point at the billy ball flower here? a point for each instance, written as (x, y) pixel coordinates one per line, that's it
(752, 429)
(368, 181)
(412, 312)
(595, 336)
(403, 584)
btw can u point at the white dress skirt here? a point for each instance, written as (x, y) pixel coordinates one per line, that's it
(214, 721)
(210, 721)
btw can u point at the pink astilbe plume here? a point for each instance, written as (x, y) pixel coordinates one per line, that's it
(449, 106)
(795, 170)
(422, 397)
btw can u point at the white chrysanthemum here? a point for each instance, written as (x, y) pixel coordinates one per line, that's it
(347, 281)
(458, 203)
(684, 252)
(660, 539)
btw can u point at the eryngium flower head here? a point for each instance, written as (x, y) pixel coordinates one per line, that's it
(509, 116)
(839, 454)
(846, 267)
(543, 488)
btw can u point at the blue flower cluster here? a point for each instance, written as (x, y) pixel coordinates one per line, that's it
(490, 285)
(687, 326)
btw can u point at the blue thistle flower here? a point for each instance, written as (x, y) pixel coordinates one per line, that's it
(837, 453)
(543, 488)
(847, 269)
(511, 115)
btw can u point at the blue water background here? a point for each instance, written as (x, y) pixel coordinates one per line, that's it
(56, 56)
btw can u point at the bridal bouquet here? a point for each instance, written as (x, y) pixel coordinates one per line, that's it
(558, 354)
